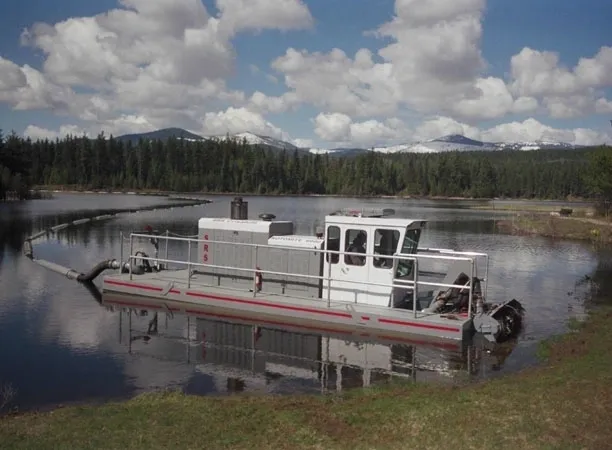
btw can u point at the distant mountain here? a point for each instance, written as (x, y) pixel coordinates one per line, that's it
(250, 138)
(258, 139)
(451, 142)
(162, 134)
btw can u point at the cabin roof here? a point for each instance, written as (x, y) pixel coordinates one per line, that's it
(373, 221)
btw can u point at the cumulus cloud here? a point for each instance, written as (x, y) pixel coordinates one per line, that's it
(532, 130)
(238, 120)
(150, 64)
(162, 59)
(333, 81)
(261, 14)
(340, 128)
(565, 92)
(35, 132)
(434, 65)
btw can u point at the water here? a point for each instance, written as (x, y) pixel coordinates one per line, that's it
(59, 345)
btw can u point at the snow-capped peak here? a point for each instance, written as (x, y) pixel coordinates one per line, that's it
(258, 139)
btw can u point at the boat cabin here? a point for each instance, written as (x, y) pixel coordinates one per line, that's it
(271, 246)
(373, 233)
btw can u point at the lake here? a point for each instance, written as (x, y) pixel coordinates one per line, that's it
(59, 345)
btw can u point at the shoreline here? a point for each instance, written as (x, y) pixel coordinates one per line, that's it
(558, 403)
(594, 230)
(154, 192)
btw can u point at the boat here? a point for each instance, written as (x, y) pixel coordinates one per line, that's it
(363, 269)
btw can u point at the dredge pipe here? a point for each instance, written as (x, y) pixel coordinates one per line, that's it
(97, 270)
(72, 274)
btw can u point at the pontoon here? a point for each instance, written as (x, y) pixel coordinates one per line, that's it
(363, 269)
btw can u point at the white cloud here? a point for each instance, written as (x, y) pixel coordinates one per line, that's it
(261, 14)
(150, 64)
(603, 106)
(263, 103)
(303, 143)
(26, 88)
(565, 92)
(340, 128)
(493, 100)
(238, 120)
(333, 81)
(11, 76)
(35, 132)
(161, 61)
(532, 130)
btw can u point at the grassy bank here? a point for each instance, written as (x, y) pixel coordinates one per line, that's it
(598, 230)
(564, 404)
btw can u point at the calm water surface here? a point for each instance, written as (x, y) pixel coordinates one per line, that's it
(58, 344)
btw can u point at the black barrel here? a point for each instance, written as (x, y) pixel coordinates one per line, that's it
(239, 209)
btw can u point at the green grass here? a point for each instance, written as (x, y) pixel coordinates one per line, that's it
(596, 230)
(535, 207)
(566, 404)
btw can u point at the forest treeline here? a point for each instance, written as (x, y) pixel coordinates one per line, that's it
(231, 166)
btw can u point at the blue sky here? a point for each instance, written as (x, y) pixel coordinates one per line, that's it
(475, 67)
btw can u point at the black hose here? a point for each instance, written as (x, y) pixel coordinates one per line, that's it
(93, 290)
(97, 270)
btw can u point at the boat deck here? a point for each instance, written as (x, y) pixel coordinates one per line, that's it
(172, 285)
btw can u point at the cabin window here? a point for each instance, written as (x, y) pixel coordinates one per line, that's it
(385, 243)
(355, 241)
(333, 243)
(409, 246)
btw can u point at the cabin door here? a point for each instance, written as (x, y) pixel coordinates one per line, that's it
(348, 272)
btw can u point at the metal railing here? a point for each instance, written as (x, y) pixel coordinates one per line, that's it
(447, 251)
(410, 284)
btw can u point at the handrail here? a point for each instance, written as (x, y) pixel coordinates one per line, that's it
(451, 251)
(403, 256)
(271, 272)
(405, 284)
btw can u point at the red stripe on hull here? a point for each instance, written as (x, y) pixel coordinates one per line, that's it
(269, 305)
(286, 307)
(292, 324)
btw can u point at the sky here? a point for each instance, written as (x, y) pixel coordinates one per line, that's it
(317, 73)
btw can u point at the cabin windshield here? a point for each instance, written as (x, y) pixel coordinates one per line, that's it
(411, 242)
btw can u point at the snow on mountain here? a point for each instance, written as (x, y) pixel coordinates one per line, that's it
(257, 139)
(452, 142)
(535, 145)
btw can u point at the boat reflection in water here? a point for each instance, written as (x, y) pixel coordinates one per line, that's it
(268, 354)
